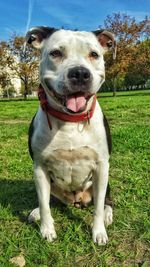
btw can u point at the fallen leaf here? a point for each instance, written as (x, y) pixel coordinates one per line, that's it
(18, 260)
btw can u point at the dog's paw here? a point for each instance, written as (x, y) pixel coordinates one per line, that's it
(108, 215)
(34, 215)
(48, 232)
(100, 236)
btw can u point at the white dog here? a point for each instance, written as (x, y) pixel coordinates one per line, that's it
(69, 137)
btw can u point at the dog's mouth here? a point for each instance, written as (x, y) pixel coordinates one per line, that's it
(77, 102)
(74, 103)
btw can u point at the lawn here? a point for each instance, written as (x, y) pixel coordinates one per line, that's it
(129, 235)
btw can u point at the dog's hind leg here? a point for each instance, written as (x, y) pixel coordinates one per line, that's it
(34, 215)
(108, 209)
(108, 215)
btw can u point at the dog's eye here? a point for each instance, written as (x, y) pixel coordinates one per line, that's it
(56, 53)
(94, 55)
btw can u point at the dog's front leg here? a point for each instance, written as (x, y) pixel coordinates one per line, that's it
(99, 187)
(43, 190)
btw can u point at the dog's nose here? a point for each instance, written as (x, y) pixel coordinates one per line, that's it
(79, 75)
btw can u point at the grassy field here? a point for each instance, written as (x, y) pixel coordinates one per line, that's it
(129, 235)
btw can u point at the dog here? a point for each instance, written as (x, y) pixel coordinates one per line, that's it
(69, 137)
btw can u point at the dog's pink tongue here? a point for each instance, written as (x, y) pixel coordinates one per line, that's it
(76, 103)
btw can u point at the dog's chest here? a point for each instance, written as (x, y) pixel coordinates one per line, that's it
(71, 169)
(71, 152)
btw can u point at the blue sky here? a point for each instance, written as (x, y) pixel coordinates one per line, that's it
(19, 15)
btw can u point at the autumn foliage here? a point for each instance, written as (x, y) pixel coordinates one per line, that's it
(131, 69)
(20, 62)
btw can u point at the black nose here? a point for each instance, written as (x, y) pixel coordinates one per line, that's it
(79, 75)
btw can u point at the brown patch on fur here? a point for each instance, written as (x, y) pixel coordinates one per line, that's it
(75, 154)
(78, 199)
(83, 197)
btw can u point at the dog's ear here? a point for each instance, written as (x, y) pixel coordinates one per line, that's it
(107, 40)
(37, 35)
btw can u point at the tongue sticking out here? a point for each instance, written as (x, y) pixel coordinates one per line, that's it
(76, 103)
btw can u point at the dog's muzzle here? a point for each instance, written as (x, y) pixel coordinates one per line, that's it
(76, 96)
(79, 79)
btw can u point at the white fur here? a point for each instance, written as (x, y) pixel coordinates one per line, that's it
(75, 138)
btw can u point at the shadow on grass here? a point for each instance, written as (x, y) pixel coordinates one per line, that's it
(20, 197)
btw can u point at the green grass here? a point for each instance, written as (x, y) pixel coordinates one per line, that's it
(129, 235)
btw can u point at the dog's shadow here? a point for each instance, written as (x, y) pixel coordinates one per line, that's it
(20, 198)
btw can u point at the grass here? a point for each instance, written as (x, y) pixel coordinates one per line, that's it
(129, 235)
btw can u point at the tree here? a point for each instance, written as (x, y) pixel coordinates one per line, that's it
(5, 81)
(27, 62)
(139, 68)
(129, 34)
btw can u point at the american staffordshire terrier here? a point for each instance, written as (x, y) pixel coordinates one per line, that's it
(69, 137)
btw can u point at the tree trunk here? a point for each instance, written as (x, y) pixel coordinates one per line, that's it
(114, 91)
(8, 96)
(25, 89)
(114, 87)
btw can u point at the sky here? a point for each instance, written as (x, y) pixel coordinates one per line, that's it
(20, 15)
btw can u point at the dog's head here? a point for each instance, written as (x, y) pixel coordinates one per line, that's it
(72, 64)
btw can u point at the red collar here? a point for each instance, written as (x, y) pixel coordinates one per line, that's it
(85, 116)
